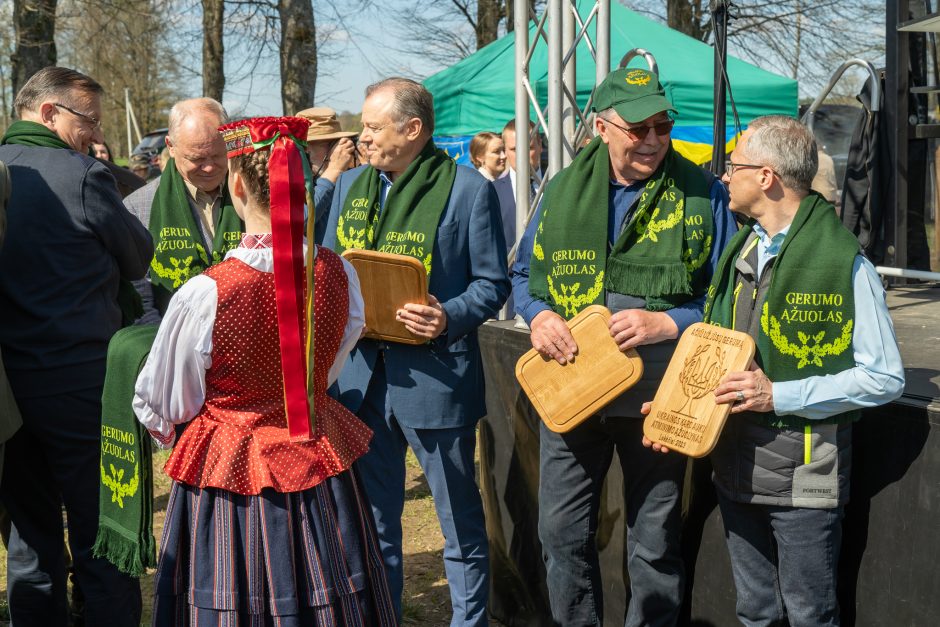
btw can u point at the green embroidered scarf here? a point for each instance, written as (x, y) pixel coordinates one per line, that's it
(407, 224)
(806, 321)
(125, 496)
(179, 253)
(659, 256)
(24, 133)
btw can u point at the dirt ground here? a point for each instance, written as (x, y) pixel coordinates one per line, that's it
(426, 600)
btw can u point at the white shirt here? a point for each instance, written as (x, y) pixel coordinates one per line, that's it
(171, 388)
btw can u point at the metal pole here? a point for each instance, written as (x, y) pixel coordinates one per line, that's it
(127, 115)
(555, 95)
(720, 12)
(570, 81)
(603, 41)
(521, 27)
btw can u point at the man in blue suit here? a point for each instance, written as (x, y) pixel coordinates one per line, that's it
(412, 199)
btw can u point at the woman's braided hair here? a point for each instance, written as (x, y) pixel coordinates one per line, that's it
(254, 170)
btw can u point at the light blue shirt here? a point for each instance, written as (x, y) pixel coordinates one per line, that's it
(878, 375)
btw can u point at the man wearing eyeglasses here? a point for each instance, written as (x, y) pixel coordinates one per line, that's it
(69, 243)
(825, 349)
(632, 225)
(412, 199)
(187, 208)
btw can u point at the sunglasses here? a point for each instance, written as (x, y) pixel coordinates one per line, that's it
(639, 133)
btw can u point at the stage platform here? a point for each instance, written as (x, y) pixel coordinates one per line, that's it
(890, 566)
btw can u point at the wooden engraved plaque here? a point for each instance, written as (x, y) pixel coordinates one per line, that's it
(388, 282)
(565, 396)
(684, 415)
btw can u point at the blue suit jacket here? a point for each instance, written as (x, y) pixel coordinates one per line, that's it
(440, 384)
(507, 207)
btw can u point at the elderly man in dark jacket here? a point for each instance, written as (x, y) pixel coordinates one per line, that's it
(69, 241)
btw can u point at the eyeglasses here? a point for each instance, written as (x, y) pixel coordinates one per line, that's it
(639, 133)
(732, 166)
(95, 122)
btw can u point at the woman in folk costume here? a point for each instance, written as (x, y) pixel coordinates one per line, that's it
(266, 524)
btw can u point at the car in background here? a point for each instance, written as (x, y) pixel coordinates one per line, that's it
(150, 146)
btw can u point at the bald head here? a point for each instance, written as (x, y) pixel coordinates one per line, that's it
(194, 142)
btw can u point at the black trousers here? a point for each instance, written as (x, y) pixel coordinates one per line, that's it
(54, 459)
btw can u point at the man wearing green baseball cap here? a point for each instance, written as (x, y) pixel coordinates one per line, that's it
(632, 225)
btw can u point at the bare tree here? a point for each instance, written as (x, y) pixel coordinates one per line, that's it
(34, 23)
(443, 33)
(803, 40)
(689, 17)
(124, 44)
(213, 49)
(298, 54)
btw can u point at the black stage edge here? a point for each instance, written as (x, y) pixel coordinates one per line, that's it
(890, 566)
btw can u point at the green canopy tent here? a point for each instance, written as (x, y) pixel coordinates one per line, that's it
(477, 94)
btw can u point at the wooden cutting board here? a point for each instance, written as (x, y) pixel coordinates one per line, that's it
(388, 282)
(565, 396)
(684, 415)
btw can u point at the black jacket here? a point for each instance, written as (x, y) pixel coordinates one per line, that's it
(69, 238)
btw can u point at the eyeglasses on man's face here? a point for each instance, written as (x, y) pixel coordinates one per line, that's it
(95, 122)
(639, 133)
(732, 166)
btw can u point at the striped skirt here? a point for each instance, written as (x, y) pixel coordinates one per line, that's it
(293, 559)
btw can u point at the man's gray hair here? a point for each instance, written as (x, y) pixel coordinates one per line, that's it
(411, 100)
(787, 147)
(184, 108)
(53, 83)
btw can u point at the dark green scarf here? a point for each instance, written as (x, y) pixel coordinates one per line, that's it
(659, 256)
(407, 224)
(179, 252)
(25, 133)
(807, 317)
(125, 517)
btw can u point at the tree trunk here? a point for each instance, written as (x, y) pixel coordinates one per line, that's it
(489, 13)
(213, 52)
(511, 15)
(298, 55)
(34, 24)
(685, 16)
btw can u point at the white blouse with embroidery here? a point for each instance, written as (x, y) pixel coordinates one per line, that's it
(171, 388)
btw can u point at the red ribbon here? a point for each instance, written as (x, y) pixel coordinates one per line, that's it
(286, 179)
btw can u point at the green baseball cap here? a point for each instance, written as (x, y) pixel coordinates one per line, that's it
(633, 93)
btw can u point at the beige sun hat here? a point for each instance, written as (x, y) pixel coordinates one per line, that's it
(323, 124)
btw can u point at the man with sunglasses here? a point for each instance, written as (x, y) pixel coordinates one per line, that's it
(632, 225)
(69, 244)
(331, 151)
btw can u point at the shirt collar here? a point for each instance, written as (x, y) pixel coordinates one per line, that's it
(195, 192)
(254, 241)
(771, 244)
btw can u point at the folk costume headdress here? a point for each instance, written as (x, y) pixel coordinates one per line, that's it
(287, 171)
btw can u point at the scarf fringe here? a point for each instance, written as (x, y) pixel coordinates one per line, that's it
(647, 279)
(131, 557)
